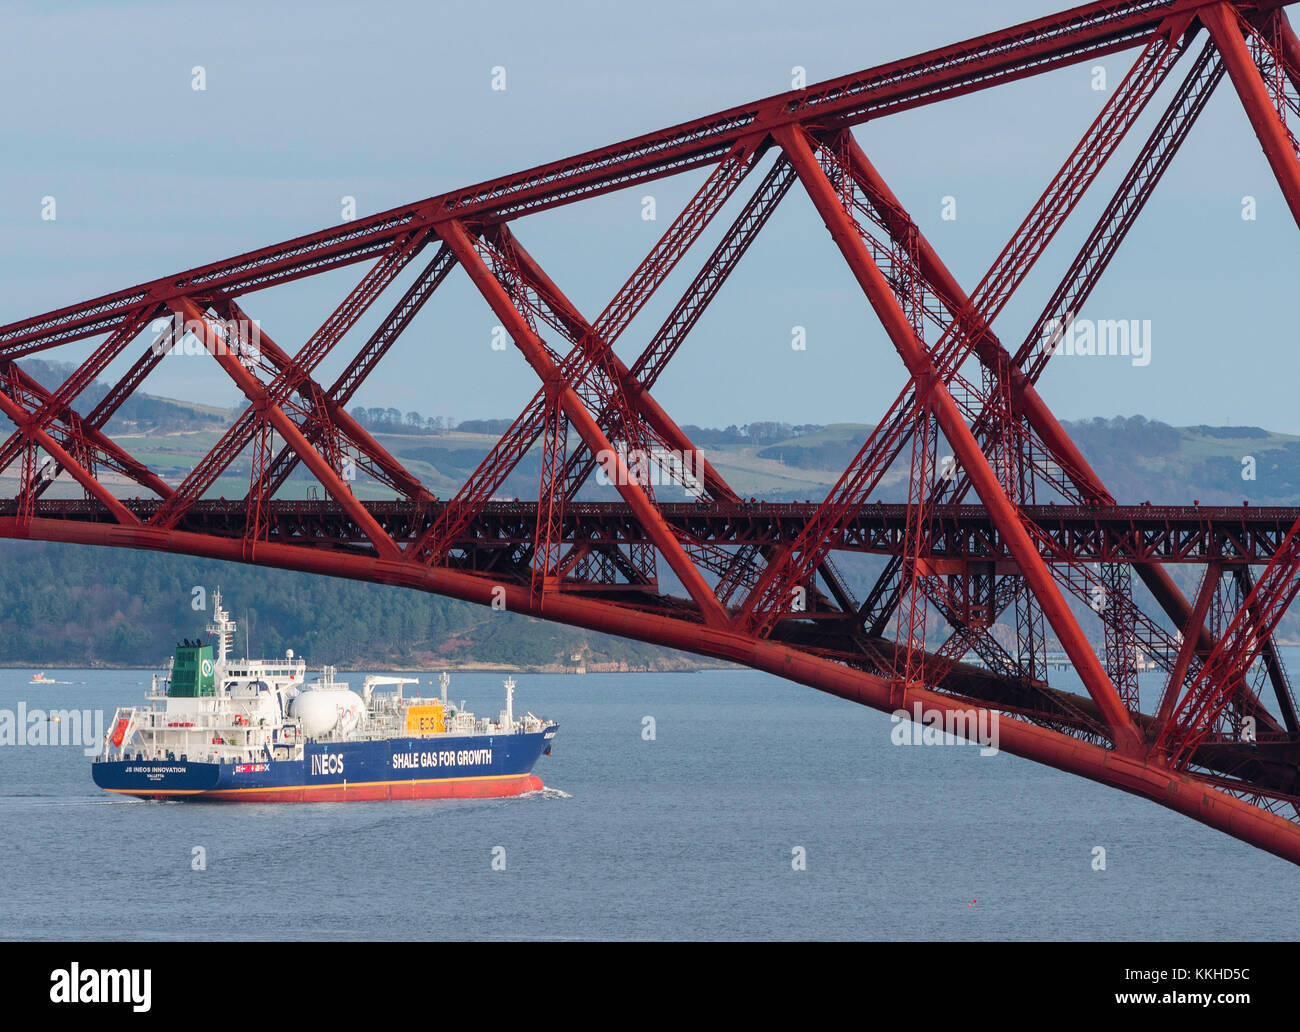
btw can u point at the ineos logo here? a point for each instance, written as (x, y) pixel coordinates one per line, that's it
(328, 763)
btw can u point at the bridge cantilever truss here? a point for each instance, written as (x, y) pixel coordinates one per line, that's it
(757, 583)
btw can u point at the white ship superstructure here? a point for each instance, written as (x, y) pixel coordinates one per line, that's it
(210, 708)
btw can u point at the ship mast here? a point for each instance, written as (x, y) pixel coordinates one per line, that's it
(224, 629)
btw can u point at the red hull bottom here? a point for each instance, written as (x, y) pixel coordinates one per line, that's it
(467, 788)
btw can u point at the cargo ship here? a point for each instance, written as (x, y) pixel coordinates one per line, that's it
(259, 731)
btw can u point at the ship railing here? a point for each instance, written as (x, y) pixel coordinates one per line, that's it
(160, 720)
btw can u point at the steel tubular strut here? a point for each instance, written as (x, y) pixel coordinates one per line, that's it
(1279, 146)
(85, 442)
(1222, 677)
(1067, 457)
(993, 292)
(582, 420)
(59, 401)
(93, 424)
(648, 423)
(378, 344)
(264, 402)
(928, 380)
(587, 357)
(289, 379)
(325, 423)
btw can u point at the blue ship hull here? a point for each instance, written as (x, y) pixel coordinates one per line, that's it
(395, 768)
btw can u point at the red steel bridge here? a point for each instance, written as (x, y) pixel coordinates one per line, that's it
(1020, 532)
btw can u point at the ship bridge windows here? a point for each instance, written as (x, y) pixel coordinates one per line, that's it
(279, 673)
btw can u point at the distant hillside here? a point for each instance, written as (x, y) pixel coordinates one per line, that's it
(1138, 459)
(138, 412)
(1141, 460)
(73, 605)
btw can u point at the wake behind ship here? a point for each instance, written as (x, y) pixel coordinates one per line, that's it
(256, 731)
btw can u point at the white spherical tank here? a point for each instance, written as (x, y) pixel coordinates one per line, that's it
(323, 710)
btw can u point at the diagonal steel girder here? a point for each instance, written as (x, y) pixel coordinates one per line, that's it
(1141, 179)
(61, 398)
(932, 390)
(1227, 28)
(660, 350)
(78, 432)
(593, 354)
(1078, 282)
(324, 420)
(1074, 288)
(1093, 257)
(36, 436)
(638, 380)
(1222, 677)
(263, 401)
(375, 348)
(287, 382)
(581, 419)
(93, 424)
(621, 425)
(1027, 244)
(55, 406)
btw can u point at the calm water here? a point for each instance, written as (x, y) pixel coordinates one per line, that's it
(686, 836)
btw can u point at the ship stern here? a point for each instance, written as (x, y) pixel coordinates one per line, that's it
(155, 779)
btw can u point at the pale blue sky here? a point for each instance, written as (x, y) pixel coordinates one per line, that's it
(392, 102)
